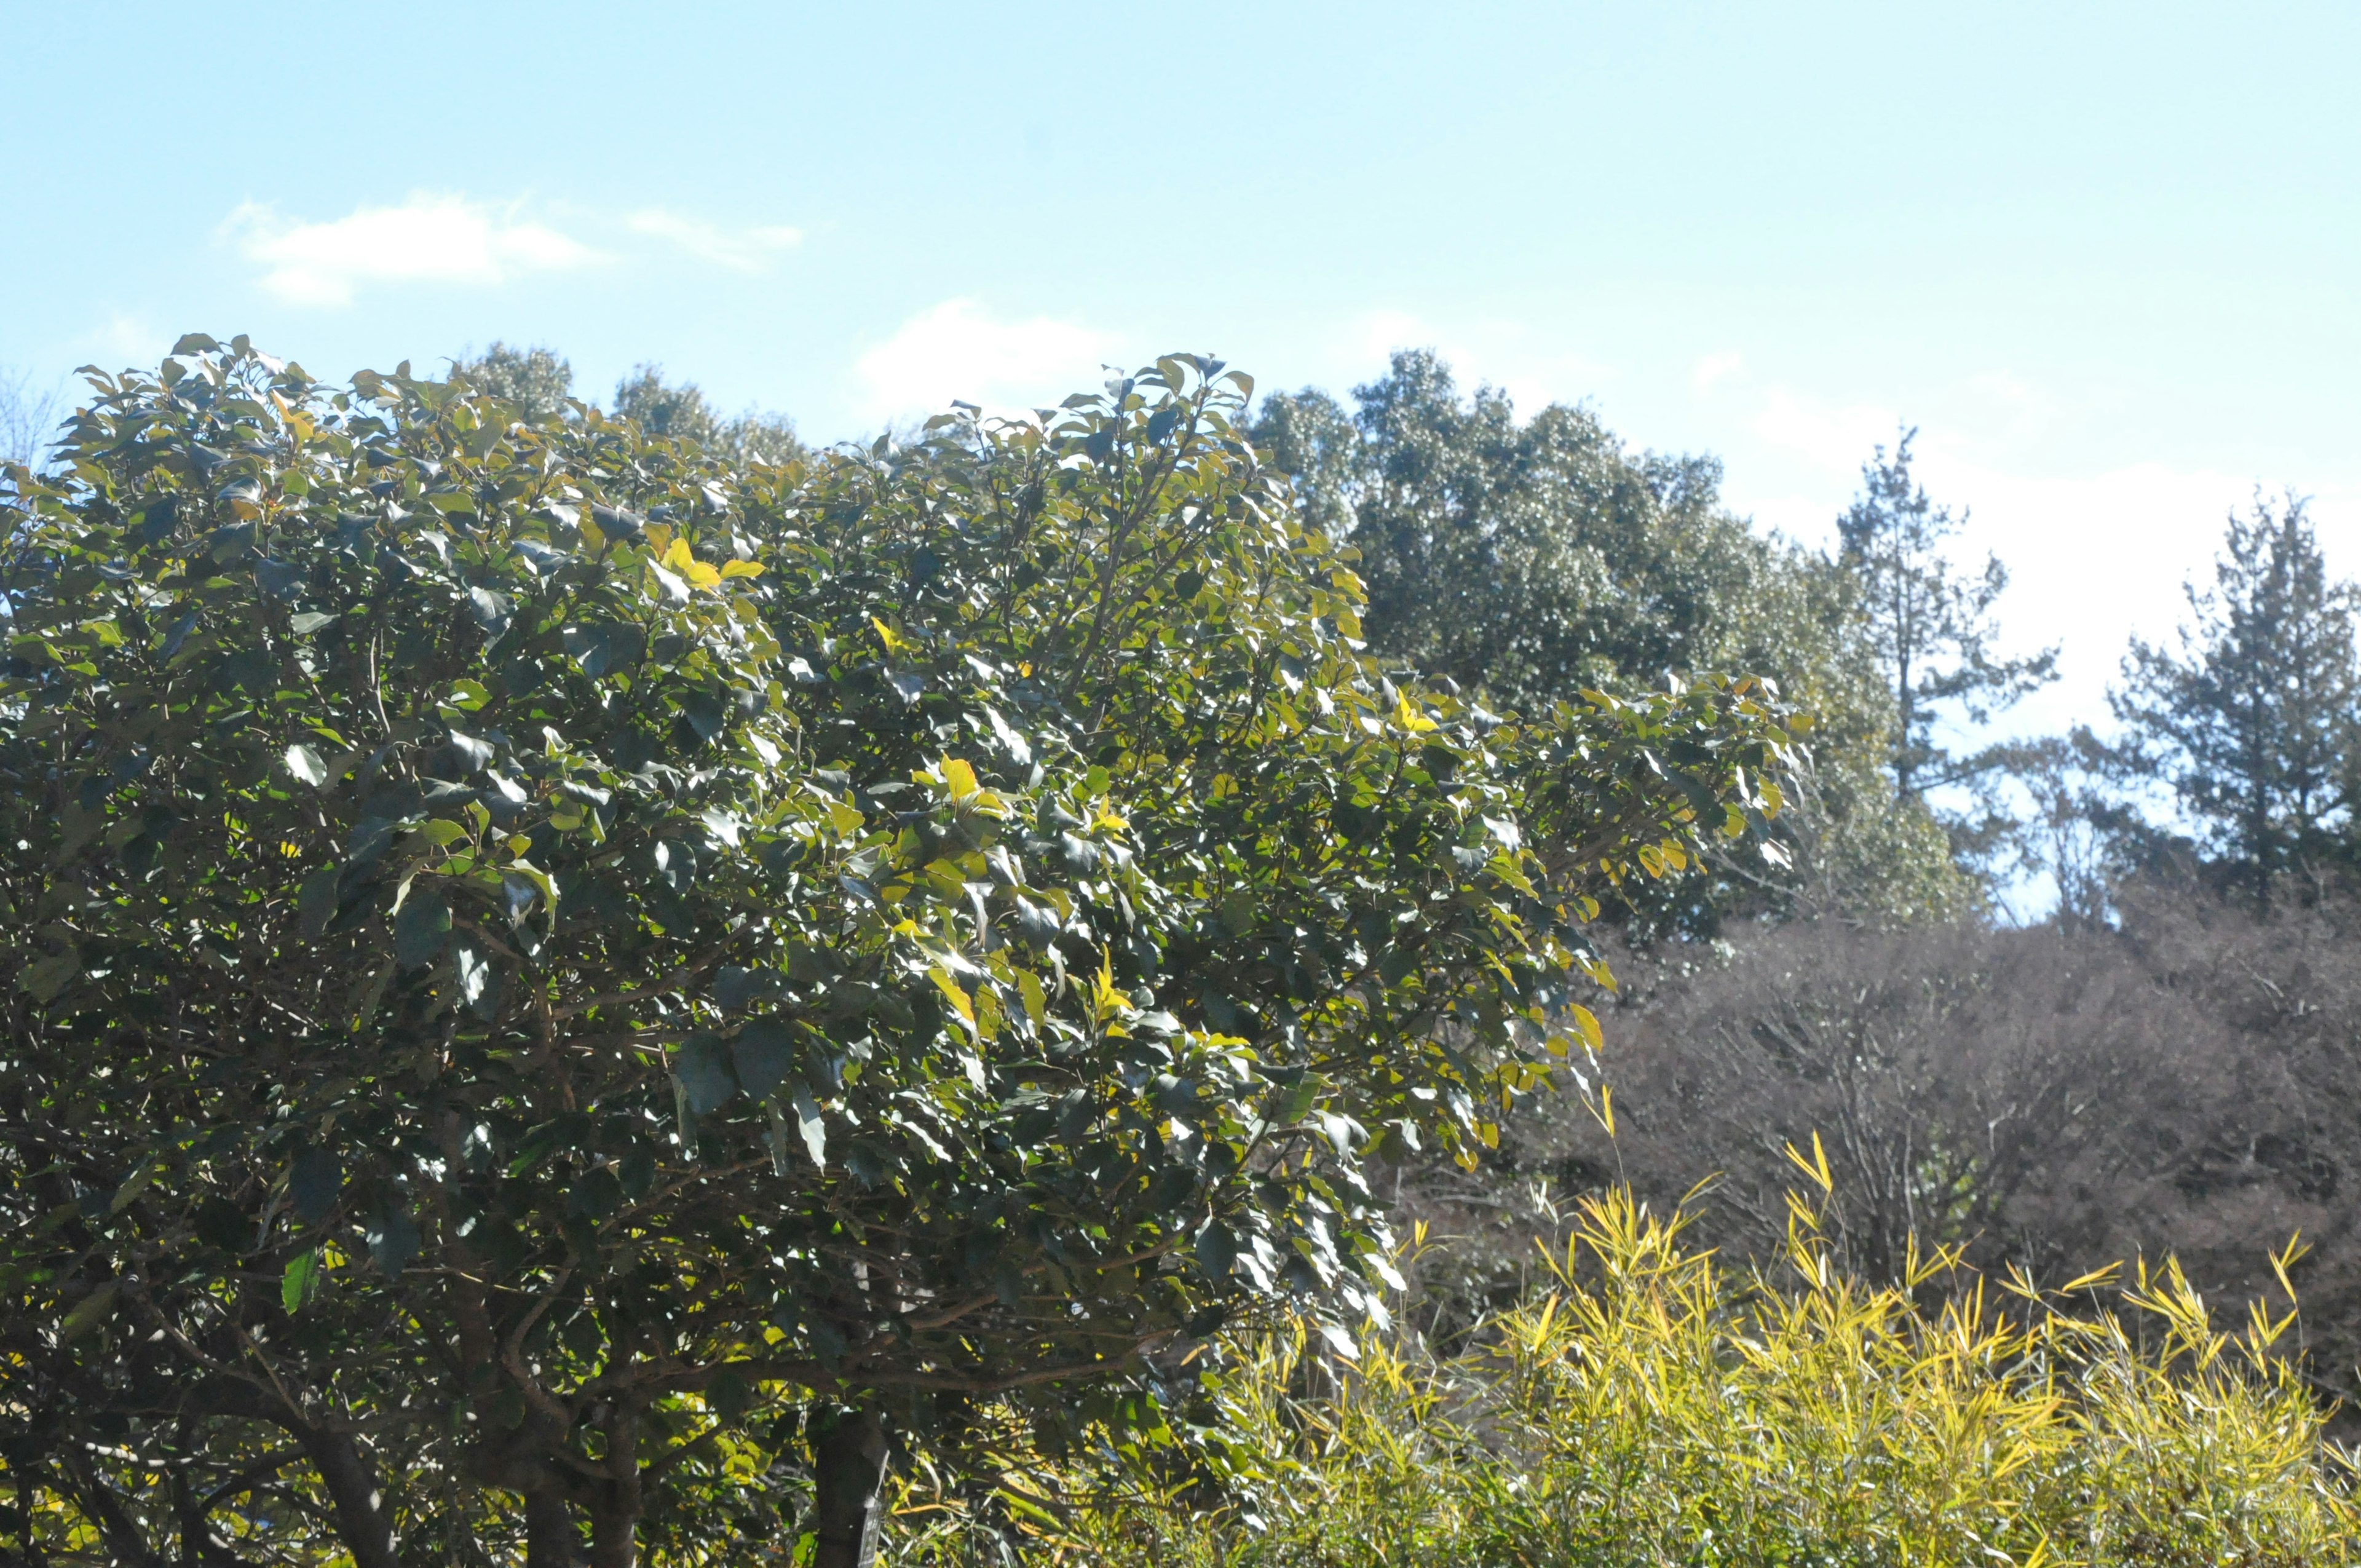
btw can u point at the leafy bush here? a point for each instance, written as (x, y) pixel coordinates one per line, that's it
(579, 984)
(1651, 1409)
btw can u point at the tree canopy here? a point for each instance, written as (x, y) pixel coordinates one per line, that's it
(556, 964)
(1531, 560)
(1929, 624)
(2252, 720)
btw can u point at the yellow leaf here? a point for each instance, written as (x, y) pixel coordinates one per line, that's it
(593, 536)
(658, 535)
(1587, 1028)
(960, 777)
(1409, 717)
(701, 575)
(1036, 1002)
(741, 568)
(952, 993)
(1103, 995)
(676, 555)
(894, 640)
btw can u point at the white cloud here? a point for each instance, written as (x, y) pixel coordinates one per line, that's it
(955, 350)
(428, 238)
(741, 251)
(1837, 438)
(128, 339)
(1715, 367)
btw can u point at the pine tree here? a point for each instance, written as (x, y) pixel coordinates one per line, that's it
(1930, 623)
(2251, 721)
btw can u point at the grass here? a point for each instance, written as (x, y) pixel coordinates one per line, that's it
(1653, 1407)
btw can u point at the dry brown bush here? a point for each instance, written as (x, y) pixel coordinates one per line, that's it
(2189, 1083)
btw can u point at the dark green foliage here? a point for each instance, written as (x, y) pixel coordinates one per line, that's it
(1528, 559)
(1533, 561)
(2252, 721)
(682, 412)
(535, 381)
(545, 960)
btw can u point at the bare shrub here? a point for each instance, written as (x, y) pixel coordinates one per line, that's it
(2189, 1083)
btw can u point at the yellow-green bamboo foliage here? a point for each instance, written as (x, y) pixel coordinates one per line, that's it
(1650, 1407)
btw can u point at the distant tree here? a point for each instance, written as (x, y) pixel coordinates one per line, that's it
(681, 412)
(678, 409)
(1928, 623)
(27, 420)
(2251, 721)
(2072, 824)
(535, 381)
(1530, 559)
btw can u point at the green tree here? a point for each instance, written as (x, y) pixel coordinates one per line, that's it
(562, 985)
(682, 412)
(535, 381)
(2251, 721)
(1529, 561)
(1930, 623)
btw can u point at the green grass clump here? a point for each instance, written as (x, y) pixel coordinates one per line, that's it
(1651, 1408)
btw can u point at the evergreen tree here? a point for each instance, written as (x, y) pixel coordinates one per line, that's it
(1532, 558)
(1930, 623)
(535, 381)
(683, 412)
(2251, 720)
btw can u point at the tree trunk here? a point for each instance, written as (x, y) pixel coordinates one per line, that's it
(850, 1470)
(615, 1511)
(364, 1521)
(551, 1538)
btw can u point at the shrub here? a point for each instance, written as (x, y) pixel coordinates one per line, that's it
(2043, 1099)
(1651, 1408)
(562, 981)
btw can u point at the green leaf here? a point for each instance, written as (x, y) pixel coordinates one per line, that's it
(313, 1182)
(419, 931)
(765, 1054)
(301, 1280)
(45, 978)
(90, 1312)
(814, 1130)
(305, 764)
(701, 1064)
(1291, 1102)
(393, 1238)
(315, 901)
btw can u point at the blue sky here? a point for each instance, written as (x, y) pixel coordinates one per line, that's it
(2103, 256)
